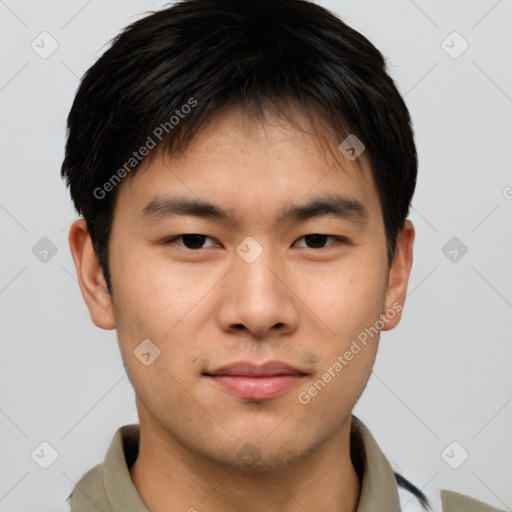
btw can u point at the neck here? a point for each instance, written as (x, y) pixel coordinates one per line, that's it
(170, 477)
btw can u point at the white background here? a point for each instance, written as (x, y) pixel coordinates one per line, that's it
(443, 375)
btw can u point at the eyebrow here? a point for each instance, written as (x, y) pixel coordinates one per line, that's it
(341, 207)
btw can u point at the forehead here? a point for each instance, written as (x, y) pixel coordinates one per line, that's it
(251, 166)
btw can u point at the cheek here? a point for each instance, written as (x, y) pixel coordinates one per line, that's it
(349, 304)
(166, 304)
(349, 298)
(156, 293)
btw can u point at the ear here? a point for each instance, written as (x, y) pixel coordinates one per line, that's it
(90, 276)
(399, 276)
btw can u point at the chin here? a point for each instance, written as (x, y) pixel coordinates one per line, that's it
(254, 456)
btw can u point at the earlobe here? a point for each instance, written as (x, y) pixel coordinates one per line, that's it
(90, 276)
(399, 276)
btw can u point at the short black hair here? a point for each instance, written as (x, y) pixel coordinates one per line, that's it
(165, 75)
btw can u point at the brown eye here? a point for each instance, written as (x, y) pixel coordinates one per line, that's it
(191, 241)
(317, 241)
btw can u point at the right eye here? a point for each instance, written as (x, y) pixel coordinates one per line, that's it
(191, 241)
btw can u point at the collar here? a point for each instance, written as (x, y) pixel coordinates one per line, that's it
(109, 487)
(378, 484)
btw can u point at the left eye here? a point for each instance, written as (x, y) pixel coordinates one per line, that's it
(317, 240)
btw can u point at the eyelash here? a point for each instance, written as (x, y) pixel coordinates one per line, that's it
(336, 238)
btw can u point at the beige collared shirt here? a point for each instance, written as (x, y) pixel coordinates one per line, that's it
(108, 487)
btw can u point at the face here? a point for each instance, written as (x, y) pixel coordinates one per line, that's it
(268, 277)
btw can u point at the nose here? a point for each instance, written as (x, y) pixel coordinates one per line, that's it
(258, 297)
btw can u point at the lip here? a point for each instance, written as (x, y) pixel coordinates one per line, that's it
(256, 382)
(248, 369)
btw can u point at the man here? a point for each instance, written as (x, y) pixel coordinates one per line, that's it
(244, 170)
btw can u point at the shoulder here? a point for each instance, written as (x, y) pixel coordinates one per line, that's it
(455, 502)
(413, 500)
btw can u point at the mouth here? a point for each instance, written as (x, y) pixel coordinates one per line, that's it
(256, 382)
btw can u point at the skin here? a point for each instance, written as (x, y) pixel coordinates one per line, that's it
(298, 303)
